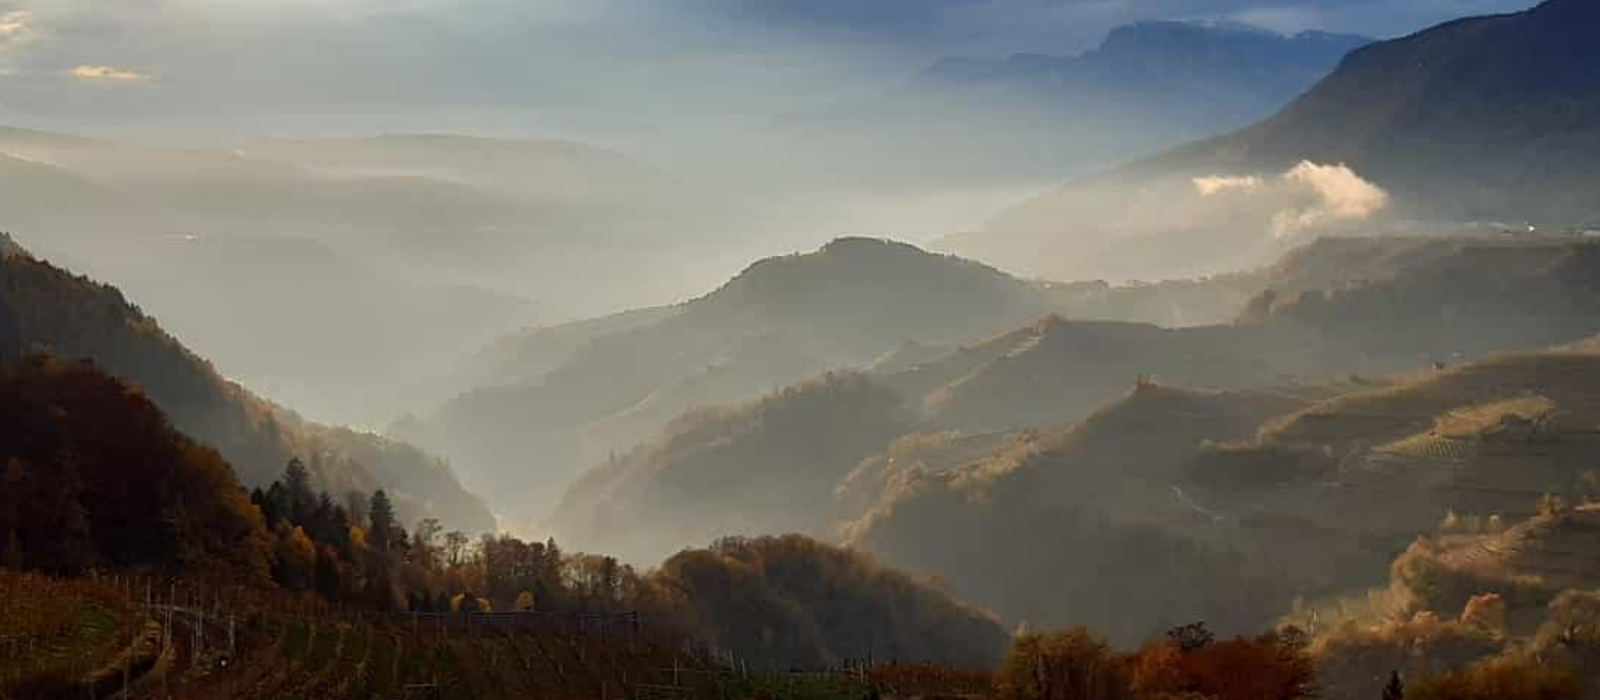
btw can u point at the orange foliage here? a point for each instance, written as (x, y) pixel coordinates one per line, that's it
(1499, 680)
(1076, 665)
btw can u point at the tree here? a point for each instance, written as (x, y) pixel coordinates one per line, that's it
(381, 529)
(330, 577)
(1396, 689)
(296, 558)
(297, 487)
(425, 543)
(1192, 636)
(1071, 665)
(356, 505)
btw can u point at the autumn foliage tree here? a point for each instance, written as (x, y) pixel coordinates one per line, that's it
(1186, 664)
(1070, 665)
(94, 475)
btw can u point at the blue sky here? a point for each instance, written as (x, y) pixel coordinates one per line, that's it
(561, 64)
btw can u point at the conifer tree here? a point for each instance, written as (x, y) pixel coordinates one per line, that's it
(297, 484)
(380, 535)
(1396, 689)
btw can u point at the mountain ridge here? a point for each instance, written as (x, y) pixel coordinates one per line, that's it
(1511, 90)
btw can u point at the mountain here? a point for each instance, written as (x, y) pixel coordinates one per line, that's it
(46, 309)
(526, 355)
(1486, 119)
(779, 322)
(1353, 310)
(1028, 117)
(10, 248)
(1034, 431)
(1232, 72)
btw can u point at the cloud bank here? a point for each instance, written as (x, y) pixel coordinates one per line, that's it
(1307, 197)
(1336, 194)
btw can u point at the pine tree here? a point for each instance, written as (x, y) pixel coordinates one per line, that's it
(381, 532)
(297, 484)
(1396, 689)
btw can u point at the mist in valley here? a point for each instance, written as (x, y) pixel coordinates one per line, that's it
(819, 330)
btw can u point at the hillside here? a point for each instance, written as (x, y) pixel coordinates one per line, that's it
(767, 467)
(1070, 367)
(99, 483)
(1513, 91)
(1315, 488)
(335, 335)
(835, 605)
(1485, 439)
(1099, 493)
(1358, 310)
(95, 477)
(780, 321)
(72, 317)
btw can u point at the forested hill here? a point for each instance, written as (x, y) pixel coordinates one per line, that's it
(98, 480)
(46, 309)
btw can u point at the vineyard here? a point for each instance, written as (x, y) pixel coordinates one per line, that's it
(141, 638)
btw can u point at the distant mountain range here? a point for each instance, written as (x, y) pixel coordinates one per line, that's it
(1147, 86)
(1490, 119)
(1214, 73)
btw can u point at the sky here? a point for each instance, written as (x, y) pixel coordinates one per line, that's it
(533, 67)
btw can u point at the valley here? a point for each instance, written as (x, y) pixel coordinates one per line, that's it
(799, 351)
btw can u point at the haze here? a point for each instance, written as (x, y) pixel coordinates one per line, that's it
(1099, 349)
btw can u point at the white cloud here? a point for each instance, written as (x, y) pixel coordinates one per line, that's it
(1308, 196)
(96, 73)
(1213, 185)
(1336, 193)
(15, 25)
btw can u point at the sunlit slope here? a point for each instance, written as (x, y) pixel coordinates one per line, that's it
(1018, 529)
